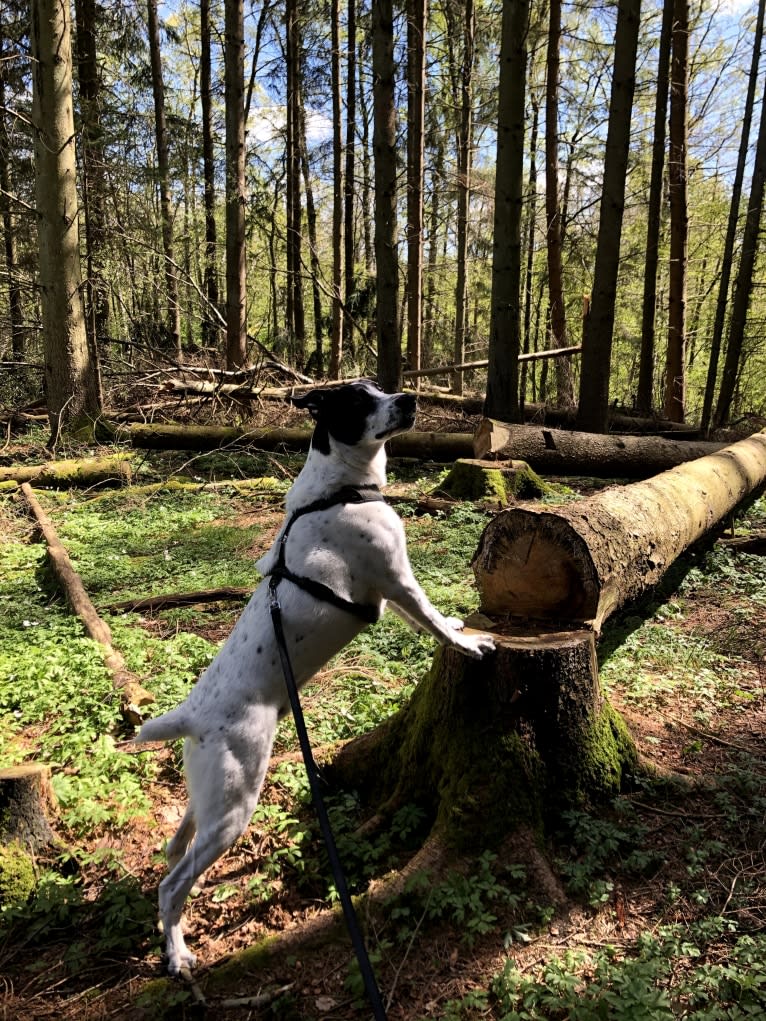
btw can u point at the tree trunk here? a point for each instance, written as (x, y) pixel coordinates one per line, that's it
(675, 363)
(132, 695)
(416, 91)
(296, 326)
(553, 214)
(464, 145)
(210, 327)
(336, 334)
(526, 333)
(644, 397)
(583, 562)
(236, 263)
(346, 341)
(163, 167)
(597, 342)
(502, 398)
(317, 362)
(744, 285)
(73, 386)
(731, 227)
(93, 172)
(488, 747)
(555, 452)
(15, 307)
(384, 148)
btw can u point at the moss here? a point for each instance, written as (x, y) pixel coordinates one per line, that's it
(474, 480)
(17, 874)
(607, 759)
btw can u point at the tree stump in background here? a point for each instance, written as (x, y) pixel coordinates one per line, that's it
(26, 801)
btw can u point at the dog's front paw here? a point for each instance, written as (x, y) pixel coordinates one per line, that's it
(476, 646)
(455, 623)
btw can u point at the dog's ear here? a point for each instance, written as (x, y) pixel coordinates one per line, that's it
(311, 401)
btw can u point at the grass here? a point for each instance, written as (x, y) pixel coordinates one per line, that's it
(666, 883)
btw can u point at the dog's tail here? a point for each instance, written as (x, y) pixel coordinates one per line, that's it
(165, 728)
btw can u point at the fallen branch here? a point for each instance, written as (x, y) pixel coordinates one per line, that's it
(532, 356)
(172, 600)
(132, 694)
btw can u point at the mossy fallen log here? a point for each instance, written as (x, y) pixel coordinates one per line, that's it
(160, 436)
(93, 471)
(132, 694)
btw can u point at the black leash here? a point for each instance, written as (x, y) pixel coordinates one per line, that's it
(352, 922)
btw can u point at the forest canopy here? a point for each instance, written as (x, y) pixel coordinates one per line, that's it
(318, 183)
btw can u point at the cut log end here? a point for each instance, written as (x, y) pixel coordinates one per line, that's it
(530, 565)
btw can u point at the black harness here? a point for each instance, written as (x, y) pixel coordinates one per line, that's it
(347, 494)
(368, 613)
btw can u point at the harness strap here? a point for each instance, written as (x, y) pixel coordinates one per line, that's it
(367, 612)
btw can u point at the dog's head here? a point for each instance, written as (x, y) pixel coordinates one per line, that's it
(356, 414)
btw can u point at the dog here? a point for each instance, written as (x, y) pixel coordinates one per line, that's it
(338, 560)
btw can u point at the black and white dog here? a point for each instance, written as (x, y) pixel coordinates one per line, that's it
(340, 558)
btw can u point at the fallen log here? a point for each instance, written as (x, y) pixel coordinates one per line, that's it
(132, 695)
(582, 562)
(101, 471)
(482, 363)
(558, 452)
(160, 436)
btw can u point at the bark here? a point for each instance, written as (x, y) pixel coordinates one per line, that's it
(583, 562)
(336, 335)
(234, 88)
(296, 325)
(15, 305)
(437, 446)
(502, 397)
(163, 168)
(644, 400)
(384, 149)
(93, 171)
(132, 695)
(486, 748)
(317, 362)
(416, 91)
(597, 342)
(744, 284)
(731, 227)
(531, 225)
(556, 452)
(553, 212)
(73, 387)
(102, 471)
(675, 362)
(26, 803)
(464, 144)
(210, 272)
(346, 341)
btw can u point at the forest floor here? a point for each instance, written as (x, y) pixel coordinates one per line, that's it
(666, 887)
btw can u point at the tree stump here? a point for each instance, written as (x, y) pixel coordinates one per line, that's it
(26, 799)
(487, 747)
(492, 482)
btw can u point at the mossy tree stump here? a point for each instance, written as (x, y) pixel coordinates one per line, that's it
(491, 746)
(495, 482)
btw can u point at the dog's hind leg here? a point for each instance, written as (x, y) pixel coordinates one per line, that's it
(176, 886)
(179, 842)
